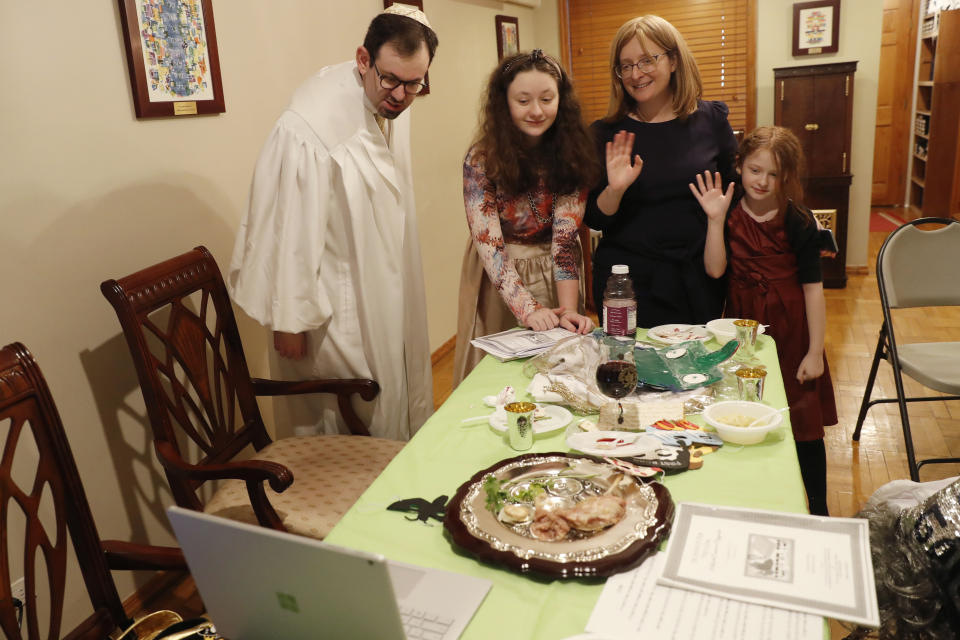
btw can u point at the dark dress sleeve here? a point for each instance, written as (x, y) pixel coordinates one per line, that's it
(726, 141)
(592, 216)
(801, 229)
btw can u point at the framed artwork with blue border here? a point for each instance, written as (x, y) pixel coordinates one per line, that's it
(172, 57)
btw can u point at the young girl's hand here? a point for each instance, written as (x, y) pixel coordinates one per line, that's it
(621, 170)
(811, 367)
(572, 321)
(710, 194)
(543, 319)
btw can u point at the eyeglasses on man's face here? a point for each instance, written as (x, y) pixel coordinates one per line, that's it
(644, 65)
(390, 82)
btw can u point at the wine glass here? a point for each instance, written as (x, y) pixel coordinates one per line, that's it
(617, 373)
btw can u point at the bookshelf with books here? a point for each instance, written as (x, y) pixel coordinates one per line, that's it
(935, 173)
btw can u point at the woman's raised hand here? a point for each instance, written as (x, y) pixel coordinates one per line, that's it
(622, 169)
(710, 194)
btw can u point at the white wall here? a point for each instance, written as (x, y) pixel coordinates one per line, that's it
(860, 27)
(88, 192)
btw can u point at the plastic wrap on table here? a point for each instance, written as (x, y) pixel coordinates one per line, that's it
(568, 372)
(682, 367)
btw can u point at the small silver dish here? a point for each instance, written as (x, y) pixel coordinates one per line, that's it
(564, 487)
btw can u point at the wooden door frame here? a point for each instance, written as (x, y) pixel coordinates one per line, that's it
(901, 191)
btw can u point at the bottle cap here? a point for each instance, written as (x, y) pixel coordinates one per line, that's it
(620, 269)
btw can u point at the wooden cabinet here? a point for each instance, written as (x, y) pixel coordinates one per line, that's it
(816, 103)
(935, 172)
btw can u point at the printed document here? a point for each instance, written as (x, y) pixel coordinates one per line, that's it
(633, 605)
(800, 562)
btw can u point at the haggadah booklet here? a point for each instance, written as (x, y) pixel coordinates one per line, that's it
(805, 563)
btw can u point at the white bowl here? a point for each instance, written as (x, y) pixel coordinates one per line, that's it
(723, 330)
(771, 419)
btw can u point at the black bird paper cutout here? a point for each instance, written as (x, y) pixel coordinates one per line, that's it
(422, 508)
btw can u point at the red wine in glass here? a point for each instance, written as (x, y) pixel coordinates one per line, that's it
(616, 379)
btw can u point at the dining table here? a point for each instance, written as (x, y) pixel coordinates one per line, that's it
(446, 452)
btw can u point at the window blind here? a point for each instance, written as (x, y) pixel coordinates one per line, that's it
(720, 33)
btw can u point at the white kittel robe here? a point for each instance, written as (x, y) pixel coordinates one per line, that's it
(330, 246)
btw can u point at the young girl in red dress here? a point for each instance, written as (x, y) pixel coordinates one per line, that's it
(768, 247)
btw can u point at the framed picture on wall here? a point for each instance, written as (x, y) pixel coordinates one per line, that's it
(508, 36)
(172, 57)
(816, 27)
(413, 4)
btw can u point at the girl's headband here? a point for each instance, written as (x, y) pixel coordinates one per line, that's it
(533, 56)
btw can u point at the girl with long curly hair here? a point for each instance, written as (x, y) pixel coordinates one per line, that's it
(525, 180)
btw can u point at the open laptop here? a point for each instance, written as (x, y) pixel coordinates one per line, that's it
(258, 583)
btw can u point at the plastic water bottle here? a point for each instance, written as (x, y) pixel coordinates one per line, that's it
(619, 305)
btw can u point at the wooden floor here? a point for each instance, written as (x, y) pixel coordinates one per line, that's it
(854, 469)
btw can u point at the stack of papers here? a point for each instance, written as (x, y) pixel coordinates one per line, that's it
(513, 344)
(633, 605)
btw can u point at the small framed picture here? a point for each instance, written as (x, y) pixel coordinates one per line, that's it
(172, 57)
(816, 27)
(508, 36)
(413, 4)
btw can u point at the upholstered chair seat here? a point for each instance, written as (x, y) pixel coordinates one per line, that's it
(330, 473)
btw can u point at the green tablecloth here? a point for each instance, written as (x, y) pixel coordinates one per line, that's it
(444, 454)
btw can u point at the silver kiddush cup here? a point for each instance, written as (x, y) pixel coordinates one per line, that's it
(520, 425)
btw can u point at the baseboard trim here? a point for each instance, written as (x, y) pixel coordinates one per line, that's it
(862, 270)
(443, 351)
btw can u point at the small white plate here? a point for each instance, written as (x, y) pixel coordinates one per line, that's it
(723, 329)
(677, 333)
(598, 443)
(557, 418)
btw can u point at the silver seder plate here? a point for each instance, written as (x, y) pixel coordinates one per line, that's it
(568, 479)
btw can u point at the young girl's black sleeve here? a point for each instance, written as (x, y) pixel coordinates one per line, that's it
(801, 229)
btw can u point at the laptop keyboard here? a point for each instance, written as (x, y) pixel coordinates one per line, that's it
(421, 625)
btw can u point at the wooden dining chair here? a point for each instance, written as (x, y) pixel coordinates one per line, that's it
(916, 268)
(201, 402)
(42, 496)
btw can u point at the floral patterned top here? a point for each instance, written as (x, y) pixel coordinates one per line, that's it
(495, 219)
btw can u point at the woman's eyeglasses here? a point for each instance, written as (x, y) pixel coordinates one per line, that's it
(644, 65)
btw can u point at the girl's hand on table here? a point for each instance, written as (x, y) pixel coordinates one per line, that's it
(710, 194)
(811, 367)
(543, 319)
(572, 321)
(621, 169)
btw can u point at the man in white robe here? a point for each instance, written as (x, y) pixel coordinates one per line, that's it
(328, 256)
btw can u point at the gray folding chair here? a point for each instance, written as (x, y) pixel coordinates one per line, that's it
(917, 268)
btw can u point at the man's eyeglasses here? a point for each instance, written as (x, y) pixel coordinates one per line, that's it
(413, 87)
(645, 65)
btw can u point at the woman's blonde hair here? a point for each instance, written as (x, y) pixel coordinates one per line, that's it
(685, 83)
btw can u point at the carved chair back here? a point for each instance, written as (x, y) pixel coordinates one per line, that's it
(183, 337)
(40, 488)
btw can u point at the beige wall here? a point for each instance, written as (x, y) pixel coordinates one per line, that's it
(860, 26)
(88, 192)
